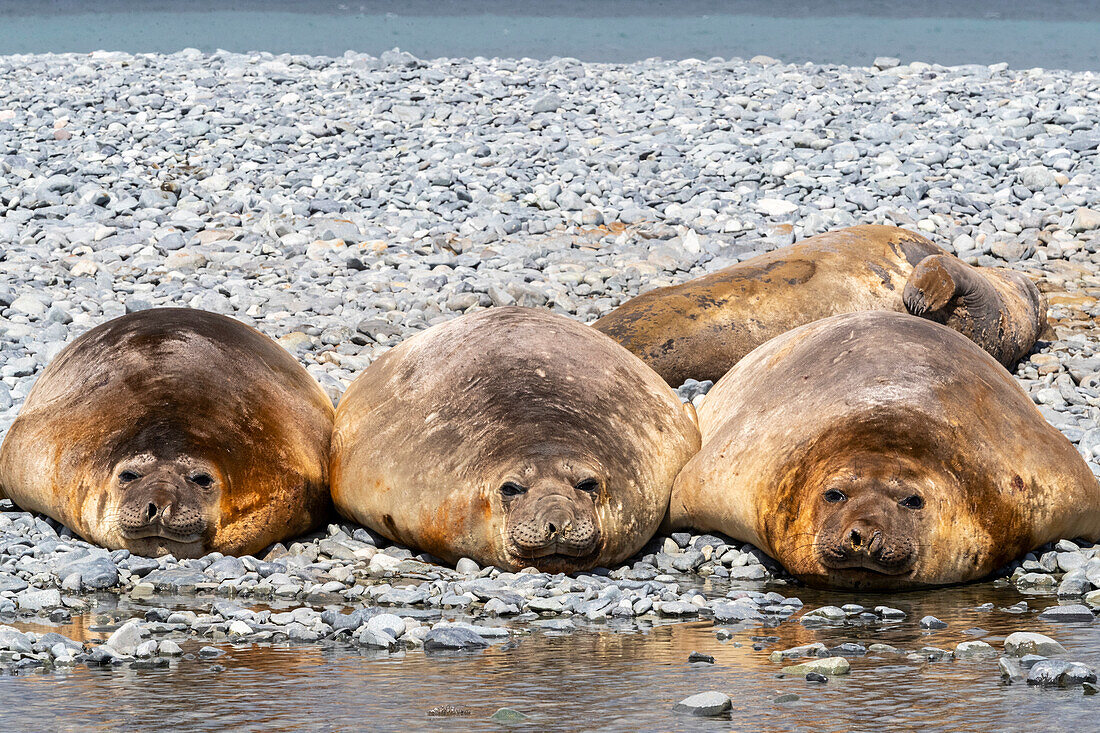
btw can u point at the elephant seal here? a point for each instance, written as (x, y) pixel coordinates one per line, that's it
(880, 451)
(514, 437)
(701, 328)
(173, 430)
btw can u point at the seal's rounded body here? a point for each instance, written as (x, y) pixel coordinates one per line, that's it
(173, 430)
(514, 437)
(701, 328)
(882, 451)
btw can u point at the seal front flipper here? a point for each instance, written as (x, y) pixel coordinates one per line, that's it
(1000, 310)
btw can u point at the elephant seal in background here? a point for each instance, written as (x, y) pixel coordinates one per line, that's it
(176, 431)
(880, 451)
(701, 328)
(1001, 311)
(514, 437)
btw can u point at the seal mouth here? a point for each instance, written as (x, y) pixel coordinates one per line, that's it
(867, 566)
(163, 533)
(863, 564)
(548, 561)
(552, 550)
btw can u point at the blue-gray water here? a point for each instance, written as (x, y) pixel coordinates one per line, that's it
(1058, 34)
(597, 678)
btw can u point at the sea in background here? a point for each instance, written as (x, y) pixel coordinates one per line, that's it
(1053, 34)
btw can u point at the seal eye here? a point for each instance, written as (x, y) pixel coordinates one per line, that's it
(203, 480)
(511, 488)
(589, 485)
(128, 476)
(912, 502)
(834, 496)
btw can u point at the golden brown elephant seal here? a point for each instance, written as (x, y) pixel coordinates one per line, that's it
(514, 437)
(701, 328)
(176, 431)
(878, 450)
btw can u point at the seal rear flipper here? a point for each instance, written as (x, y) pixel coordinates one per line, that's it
(945, 289)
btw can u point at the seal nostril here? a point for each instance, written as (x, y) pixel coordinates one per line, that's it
(151, 511)
(552, 527)
(855, 538)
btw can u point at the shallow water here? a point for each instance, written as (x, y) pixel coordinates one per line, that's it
(1062, 35)
(600, 677)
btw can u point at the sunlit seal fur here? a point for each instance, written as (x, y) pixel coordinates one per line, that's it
(882, 451)
(514, 437)
(701, 328)
(173, 431)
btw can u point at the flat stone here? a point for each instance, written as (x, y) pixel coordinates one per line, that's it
(94, 574)
(974, 650)
(1067, 614)
(817, 649)
(388, 623)
(126, 638)
(447, 638)
(38, 600)
(776, 207)
(226, 568)
(1086, 219)
(829, 666)
(931, 622)
(376, 639)
(706, 704)
(507, 715)
(14, 640)
(11, 584)
(1026, 642)
(748, 572)
(725, 613)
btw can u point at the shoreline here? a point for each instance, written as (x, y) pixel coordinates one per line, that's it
(854, 38)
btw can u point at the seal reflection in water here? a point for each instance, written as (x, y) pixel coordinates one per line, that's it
(701, 328)
(879, 450)
(176, 431)
(514, 437)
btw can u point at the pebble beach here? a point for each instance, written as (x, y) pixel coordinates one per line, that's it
(341, 205)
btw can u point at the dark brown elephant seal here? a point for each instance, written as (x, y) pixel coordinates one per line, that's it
(176, 431)
(879, 450)
(514, 437)
(701, 328)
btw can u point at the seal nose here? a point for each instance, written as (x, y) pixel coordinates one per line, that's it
(865, 539)
(558, 525)
(553, 525)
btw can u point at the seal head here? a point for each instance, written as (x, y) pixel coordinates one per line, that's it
(550, 513)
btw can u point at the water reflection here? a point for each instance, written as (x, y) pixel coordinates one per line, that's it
(593, 678)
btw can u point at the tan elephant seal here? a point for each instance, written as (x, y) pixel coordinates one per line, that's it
(701, 328)
(176, 431)
(879, 450)
(514, 437)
